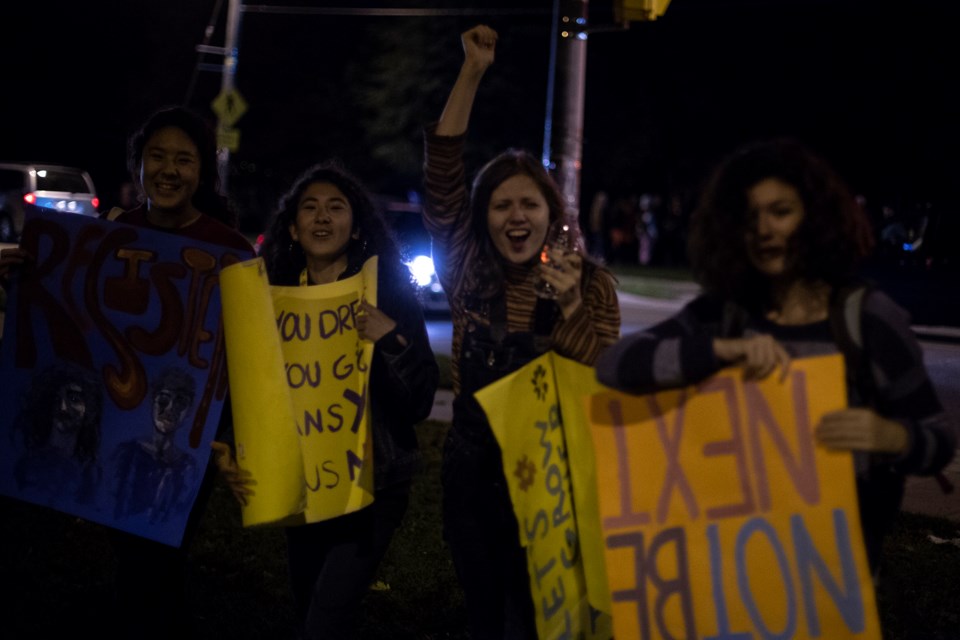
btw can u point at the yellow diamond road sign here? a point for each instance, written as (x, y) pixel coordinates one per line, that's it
(229, 105)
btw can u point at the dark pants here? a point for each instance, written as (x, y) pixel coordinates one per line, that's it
(333, 563)
(150, 589)
(481, 530)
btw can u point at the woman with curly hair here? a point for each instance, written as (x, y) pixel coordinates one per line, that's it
(776, 243)
(324, 230)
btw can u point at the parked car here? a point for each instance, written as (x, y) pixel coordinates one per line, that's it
(406, 221)
(46, 186)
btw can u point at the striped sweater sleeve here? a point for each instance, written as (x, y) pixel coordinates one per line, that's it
(446, 208)
(594, 326)
(904, 390)
(674, 353)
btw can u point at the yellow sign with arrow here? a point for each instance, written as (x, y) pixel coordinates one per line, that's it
(229, 106)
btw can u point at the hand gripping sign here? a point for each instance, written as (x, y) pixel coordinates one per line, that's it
(723, 519)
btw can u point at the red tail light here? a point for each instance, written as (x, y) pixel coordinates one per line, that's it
(96, 203)
(30, 198)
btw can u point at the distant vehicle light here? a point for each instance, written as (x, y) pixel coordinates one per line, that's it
(30, 198)
(422, 270)
(96, 203)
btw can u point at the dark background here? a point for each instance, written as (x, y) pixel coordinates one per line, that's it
(870, 84)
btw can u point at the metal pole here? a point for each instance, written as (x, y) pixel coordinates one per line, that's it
(551, 89)
(227, 82)
(571, 28)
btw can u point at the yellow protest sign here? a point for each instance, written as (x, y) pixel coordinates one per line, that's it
(576, 383)
(721, 517)
(298, 378)
(537, 460)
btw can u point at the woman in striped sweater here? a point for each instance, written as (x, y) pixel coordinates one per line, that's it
(487, 246)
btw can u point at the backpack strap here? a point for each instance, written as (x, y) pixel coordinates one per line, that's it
(846, 323)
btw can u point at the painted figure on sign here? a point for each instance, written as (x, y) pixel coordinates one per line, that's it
(60, 427)
(153, 475)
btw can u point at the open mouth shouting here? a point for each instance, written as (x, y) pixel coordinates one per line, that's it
(517, 238)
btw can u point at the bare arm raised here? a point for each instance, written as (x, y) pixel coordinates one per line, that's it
(479, 44)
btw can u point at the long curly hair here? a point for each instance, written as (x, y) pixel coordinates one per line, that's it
(35, 421)
(285, 259)
(830, 243)
(486, 279)
(207, 197)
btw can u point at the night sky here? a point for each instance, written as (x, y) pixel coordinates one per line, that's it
(869, 83)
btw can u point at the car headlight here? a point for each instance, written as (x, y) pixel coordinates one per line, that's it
(421, 267)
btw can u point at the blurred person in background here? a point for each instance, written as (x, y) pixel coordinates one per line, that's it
(776, 242)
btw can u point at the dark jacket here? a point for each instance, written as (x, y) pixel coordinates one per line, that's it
(403, 380)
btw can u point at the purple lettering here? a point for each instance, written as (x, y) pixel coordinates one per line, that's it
(673, 475)
(627, 517)
(733, 446)
(802, 468)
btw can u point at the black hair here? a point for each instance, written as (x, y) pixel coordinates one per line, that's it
(830, 243)
(285, 259)
(207, 198)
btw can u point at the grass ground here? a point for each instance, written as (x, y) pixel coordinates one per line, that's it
(56, 574)
(654, 282)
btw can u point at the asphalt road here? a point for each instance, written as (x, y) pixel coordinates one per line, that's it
(941, 350)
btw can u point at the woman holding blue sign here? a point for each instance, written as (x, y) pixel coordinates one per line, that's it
(775, 243)
(512, 299)
(173, 160)
(325, 229)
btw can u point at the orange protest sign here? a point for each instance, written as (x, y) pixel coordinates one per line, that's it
(722, 518)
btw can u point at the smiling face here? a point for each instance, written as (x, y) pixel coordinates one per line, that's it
(775, 212)
(170, 175)
(517, 219)
(324, 224)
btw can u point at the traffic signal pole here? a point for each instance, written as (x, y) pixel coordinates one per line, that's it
(227, 84)
(568, 78)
